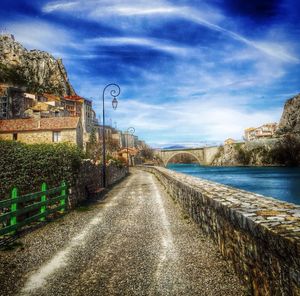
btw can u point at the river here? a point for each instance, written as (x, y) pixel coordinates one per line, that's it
(279, 182)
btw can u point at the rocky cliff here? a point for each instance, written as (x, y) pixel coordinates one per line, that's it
(258, 153)
(290, 119)
(283, 149)
(37, 70)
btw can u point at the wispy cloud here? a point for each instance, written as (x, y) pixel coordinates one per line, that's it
(100, 11)
(107, 8)
(135, 10)
(59, 6)
(143, 42)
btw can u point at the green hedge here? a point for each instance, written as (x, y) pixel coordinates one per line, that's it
(28, 166)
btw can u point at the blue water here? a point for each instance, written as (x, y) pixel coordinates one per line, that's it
(279, 182)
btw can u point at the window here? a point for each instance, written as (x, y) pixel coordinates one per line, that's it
(56, 137)
(15, 137)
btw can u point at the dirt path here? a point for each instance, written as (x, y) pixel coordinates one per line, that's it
(137, 242)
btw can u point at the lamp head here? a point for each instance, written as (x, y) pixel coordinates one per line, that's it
(114, 103)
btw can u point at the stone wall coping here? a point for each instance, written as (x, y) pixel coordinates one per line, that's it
(258, 234)
(249, 210)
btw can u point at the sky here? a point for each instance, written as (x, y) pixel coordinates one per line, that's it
(191, 73)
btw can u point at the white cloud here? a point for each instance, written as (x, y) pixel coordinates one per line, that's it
(211, 120)
(41, 35)
(107, 8)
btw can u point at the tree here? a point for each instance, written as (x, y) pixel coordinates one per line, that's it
(93, 147)
(147, 153)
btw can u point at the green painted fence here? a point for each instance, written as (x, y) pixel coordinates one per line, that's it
(45, 202)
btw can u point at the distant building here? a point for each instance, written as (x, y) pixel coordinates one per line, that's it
(265, 131)
(135, 141)
(87, 116)
(108, 132)
(73, 104)
(141, 144)
(132, 154)
(229, 141)
(118, 138)
(43, 130)
(129, 140)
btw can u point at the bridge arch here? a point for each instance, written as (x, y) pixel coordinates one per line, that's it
(167, 158)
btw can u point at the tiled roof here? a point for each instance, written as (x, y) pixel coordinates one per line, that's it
(74, 98)
(40, 106)
(33, 124)
(131, 151)
(51, 97)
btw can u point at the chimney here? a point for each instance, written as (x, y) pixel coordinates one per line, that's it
(37, 118)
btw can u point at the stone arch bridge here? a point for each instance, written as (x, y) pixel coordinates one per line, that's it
(204, 155)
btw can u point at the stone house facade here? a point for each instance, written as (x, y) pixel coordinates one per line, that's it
(73, 104)
(43, 130)
(265, 131)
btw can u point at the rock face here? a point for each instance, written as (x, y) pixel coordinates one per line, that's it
(256, 153)
(227, 156)
(290, 119)
(37, 70)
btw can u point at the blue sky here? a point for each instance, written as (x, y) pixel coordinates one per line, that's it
(191, 72)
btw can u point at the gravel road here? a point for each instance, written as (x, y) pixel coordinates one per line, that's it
(135, 242)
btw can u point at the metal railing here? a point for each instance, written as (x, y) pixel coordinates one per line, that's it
(19, 211)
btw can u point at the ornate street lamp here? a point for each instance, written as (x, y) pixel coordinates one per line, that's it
(131, 131)
(114, 92)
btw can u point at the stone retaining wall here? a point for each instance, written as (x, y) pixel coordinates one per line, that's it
(90, 179)
(259, 235)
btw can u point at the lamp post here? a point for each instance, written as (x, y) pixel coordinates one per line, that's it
(131, 131)
(114, 92)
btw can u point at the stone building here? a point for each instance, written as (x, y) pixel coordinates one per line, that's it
(43, 130)
(108, 132)
(229, 141)
(88, 116)
(265, 131)
(13, 102)
(132, 154)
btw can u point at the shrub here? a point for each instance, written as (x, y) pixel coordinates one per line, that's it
(287, 150)
(28, 166)
(117, 162)
(243, 156)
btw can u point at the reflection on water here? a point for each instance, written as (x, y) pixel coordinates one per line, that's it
(278, 182)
